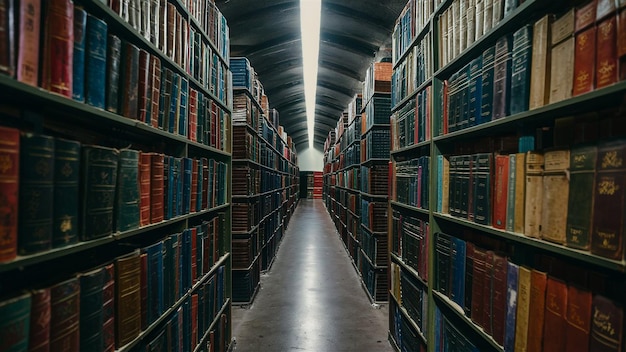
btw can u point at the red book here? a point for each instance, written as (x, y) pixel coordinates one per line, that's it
(170, 33)
(108, 309)
(58, 47)
(584, 61)
(554, 323)
(577, 319)
(585, 15)
(205, 182)
(216, 236)
(64, 316)
(39, 339)
(606, 54)
(156, 187)
(9, 187)
(144, 83)
(194, 185)
(194, 321)
(536, 311)
(499, 303)
(145, 165)
(500, 191)
(607, 321)
(193, 115)
(621, 43)
(194, 248)
(7, 37)
(144, 290)
(28, 55)
(155, 90)
(478, 279)
(487, 287)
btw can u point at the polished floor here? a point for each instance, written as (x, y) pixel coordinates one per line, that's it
(311, 299)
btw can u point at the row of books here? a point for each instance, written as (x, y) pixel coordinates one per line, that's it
(375, 179)
(374, 278)
(245, 144)
(65, 192)
(377, 111)
(377, 80)
(411, 182)
(245, 77)
(214, 24)
(413, 71)
(411, 123)
(466, 21)
(376, 145)
(411, 295)
(348, 178)
(245, 112)
(502, 298)
(410, 241)
(413, 18)
(403, 332)
(350, 157)
(448, 337)
(559, 195)
(374, 215)
(106, 308)
(374, 246)
(352, 133)
(354, 107)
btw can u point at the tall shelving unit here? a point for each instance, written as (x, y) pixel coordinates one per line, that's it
(431, 238)
(202, 301)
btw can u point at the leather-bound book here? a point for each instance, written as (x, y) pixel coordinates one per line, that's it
(155, 306)
(607, 236)
(143, 290)
(584, 61)
(501, 77)
(108, 309)
(96, 62)
(114, 52)
(554, 321)
(520, 69)
(578, 319)
(540, 63)
(156, 187)
(170, 31)
(9, 188)
(58, 47)
(154, 91)
(7, 37)
(155, 20)
(520, 192)
(469, 278)
(14, 326)
(144, 95)
(442, 276)
(193, 196)
(606, 53)
(501, 191)
(66, 192)
(607, 324)
(562, 57)
(534, 191)
(129, 81)
(187, 176)
(91, 300)
(523, 309)
(78, 59)
(499, 296)
(555, 195)
(536, 309)
(484, 179)
(487, 85)
(65, 316)
(194, 321)
(477, 285)
(581, 195)
(621, 43)
(205, 183)
(165, 99)
(457, 271)
(162, 41)
(99, 175)
(145, 14)
(512, 275)
(39, 339)
(145, 165)
(28, 38)
(192, 129)
(127, 194)
(36, 193)
(127, 298)
(487, 286)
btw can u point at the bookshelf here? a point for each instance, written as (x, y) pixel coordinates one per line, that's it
(123, 220)
(479, 116)
(265, 181)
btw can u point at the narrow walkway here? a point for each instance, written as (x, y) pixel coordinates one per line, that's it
(311, 299)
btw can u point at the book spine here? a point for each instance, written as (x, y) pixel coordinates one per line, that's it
(487, 86)
(155, 282)
(540, 63)
(555, 196)
(520, 192)
(78, 60)
(96, 62)
(578, 319)
(499, 305)
(606, 326)
(606, 53)
(9, 188)
(520, 72)
(143, 284)
(536, 312)
(114, 57)
(501, 190)
(99, 172)
(128, 299)
(143, 88)
(65, 316)
(581, 195)
(510, 202)
(584, 61)
(66, 192)
(621, 43)
(14, 326)
(155, 90)
(156, 188)
(145, 162)
(39, 339)
(7, 38)
(108, 309)
(58, 47)
(501, 77)
(29, 38)
(562, 71)
(91, 300)
(129, 84)
(511, 306)
(534, 190)
(523, 309)
(554, 323)
(127, 203)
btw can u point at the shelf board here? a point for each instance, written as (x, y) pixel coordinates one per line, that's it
(411, 148)
(352, 166)
(351, 190)
(375, 126)
(414, 93)
(406, 267)
(393, 342)
(412, 322)
(206, 333)
(354, 214)
(240, 197)
(409, 207)
(373, 232)
(417, 39)
(577, 254)
(370, 260)
(375, 161)
(377, 196)
(246, 91)
(367, 101)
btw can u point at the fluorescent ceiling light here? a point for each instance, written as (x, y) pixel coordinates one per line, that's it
(310, 18)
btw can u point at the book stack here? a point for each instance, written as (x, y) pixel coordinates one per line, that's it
(413, 71)
(412, 182)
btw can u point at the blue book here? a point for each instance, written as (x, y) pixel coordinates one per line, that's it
(438, 329)
(182, 107)
(91, 302)
(486, 106)
(457, 291)
(209, 308)
(96, 62)
(174, 259)
(179, 186)
(170, 187)
(210, 193)
(78, 59)
(520, 72)
(186, 261)
(511, 306)
(176, 325)
(173, 107)
(219, 295)
(202, 325)
(501, 78)
(155, 282)
(187, 325)
(464, 85)
(475, 90)
(186, 201)
(165, 98)
(199, 186)
(167, 272)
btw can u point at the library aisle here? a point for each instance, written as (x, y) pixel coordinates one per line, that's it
(311, 299)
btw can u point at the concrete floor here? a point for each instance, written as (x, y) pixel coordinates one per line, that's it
(311, 299)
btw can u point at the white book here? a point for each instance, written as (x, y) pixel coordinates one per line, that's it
(478, 32)
(487, 16)
(471, 22)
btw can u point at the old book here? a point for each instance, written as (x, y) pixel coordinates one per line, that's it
(585, 15)
(534, 194)
(478, 280)
(99, 173)
(487, 16)
(520, 192)
(66, 192)
(127, 191)
(91, 300)
(578, 319)
(487, 286)
(170, 31)
(155, 21)
(78, 59)
(502, 77)
(457, 271)
(9, 188)
(114, 52)
(540, 63)
(479, 20)
(28, 39)
(143, 289)
(58, 47)
(523, 309)
(606, 53)
(554, 320)
(487, 90)
(555, 195)
(145, 165)
(36, 193)
(500, 191)
(14, 326)
(96, 62)
(520, 72)
(155, 306)
(483, 188)
(621, 43)
(154, 91)
(512, 275)
(608, 203)
(562, 63)
(606, 325)
(127, 297)
(108, 309)
(581, 195)
(129, 81)
(499, 298)
(156, 188)
(584, 61)
(39, 339)
(536, 309)
(143, 92)
(510, 197)
(65, 315)
(604, 8)
(498, 11)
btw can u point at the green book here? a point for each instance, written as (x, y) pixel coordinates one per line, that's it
(66, 189)
(581, 194)
(14, 323)
(127, 196)
(99, 176)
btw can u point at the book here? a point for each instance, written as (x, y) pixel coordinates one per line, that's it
(606, 52)
(14, 326)
(520, 192)
(127, 298)
(99, 175)
(604, 8)
(520, 71)
(129, 81)
(91, 301)
(501, 191)
(554, 320)
(9, 188)
(523, 309)
(536, 309)
(555, 195)
(127, 191)
(143, 289)
(28, 39)
(155, 285)
(65, 315)
(457, 271)
(154, 91)
(36, 193)
(114, 52)
(488, 293)
(58, 47)
(66, 192)
(606, 325)
(108, 309)
(483, 191)
(499, 298)
(502, 77)
(487, 85)
(578, 319)
(478, 285)
(584, 61)
(469, 279)
(512, 274)
(96, 62)
(143, 92)
(540, 63)
(145, 187)
(621, 43)
(581, 195)
(39, 331)
(157, 182)
(78, 59)
(534, 193)
(562, 62)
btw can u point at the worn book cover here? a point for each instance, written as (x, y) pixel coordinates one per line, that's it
(9, 189)
(534, 194)
(581, 195)
(78, 59)
(584, 61)
(606, 325)
(540, 63)
(578, 319)
(28, 38)
(606, 53)
(66, 192)
(523, 309)
(65, 316)
(58, 47)
(555, 195)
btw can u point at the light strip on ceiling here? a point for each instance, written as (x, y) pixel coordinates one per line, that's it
(310, 18)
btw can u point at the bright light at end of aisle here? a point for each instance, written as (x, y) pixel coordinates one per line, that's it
(310, 18)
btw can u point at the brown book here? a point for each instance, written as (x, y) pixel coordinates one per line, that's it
(585, 15)
(555, 195)
(534, 197)
(156, 187)
(9, 188)
(621, 43)
(607, 323)
(39, 339)
(170, 33)
(7, 37)
(128, 298)
(58, 47)
(536, 309)
(520, 192)
(501, 191)
(487, 286)
(578, 319)
(584, 61)
(540, 63)
(523, 303)
(29, 32)
(65, 316)
(606, 53)
(144, 95)
(562, 57)
(608, 204)
(108, 309)
(129, 79)
(145, 165)
(499, 303)
(554, 321)
(154, 91)
(143, 287)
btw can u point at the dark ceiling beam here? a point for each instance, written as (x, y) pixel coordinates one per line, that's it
(349, 44)
(362, 16)
(237, 14)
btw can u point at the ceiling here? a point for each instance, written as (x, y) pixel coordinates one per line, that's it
(267, 32)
